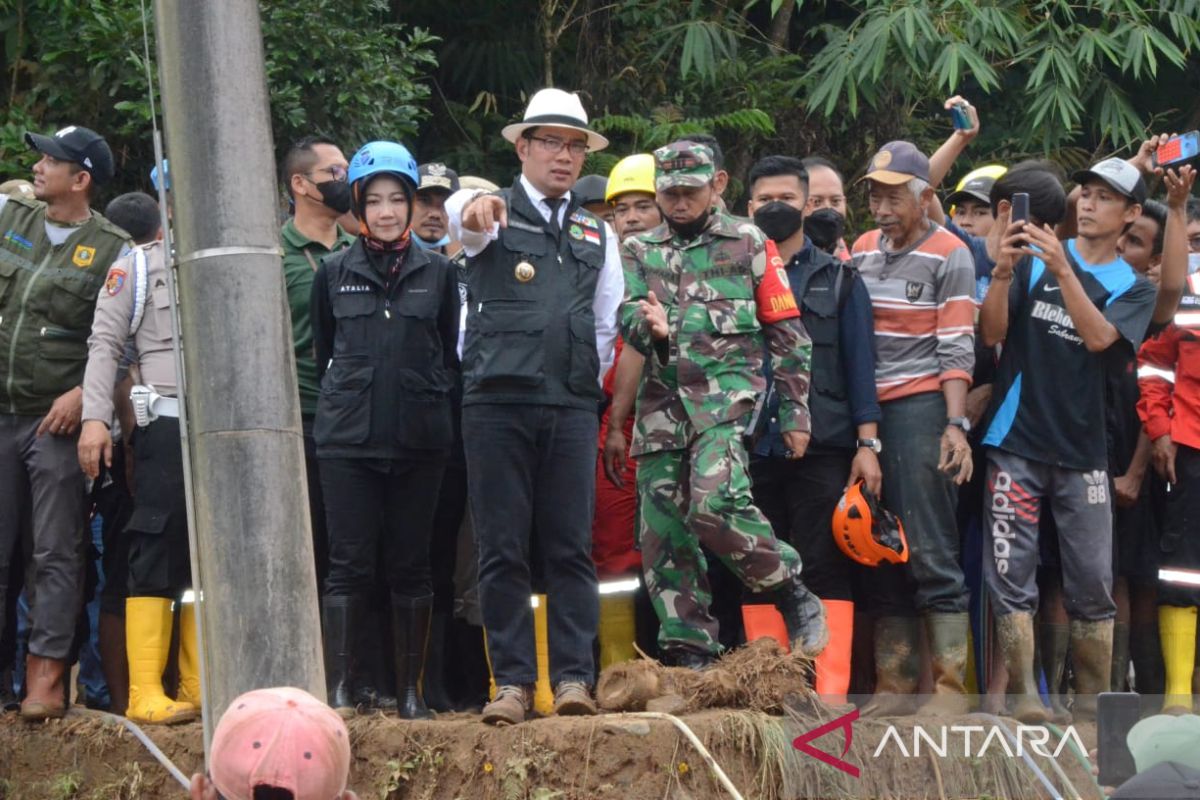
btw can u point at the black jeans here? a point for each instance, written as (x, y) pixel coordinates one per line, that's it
(531, 465)
(798, 498)
(372, 502)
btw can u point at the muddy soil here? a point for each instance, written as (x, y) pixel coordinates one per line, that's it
(613, 756)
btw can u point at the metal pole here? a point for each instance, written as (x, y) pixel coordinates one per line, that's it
(258, 607)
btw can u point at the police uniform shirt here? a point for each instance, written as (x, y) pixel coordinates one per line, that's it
(610, 288)
(117, 311)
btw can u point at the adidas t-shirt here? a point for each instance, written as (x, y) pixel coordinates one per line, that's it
(1049, 399)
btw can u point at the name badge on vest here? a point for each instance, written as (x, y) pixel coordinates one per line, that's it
(521, 226)
(524, 272)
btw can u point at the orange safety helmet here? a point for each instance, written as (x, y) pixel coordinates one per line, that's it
(866, 531)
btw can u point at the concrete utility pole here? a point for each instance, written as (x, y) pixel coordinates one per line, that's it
(254, 566)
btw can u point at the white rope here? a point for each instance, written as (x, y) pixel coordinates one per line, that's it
(696, 743)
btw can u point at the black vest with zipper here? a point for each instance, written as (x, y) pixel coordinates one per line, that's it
(821, 284)
(534, 340)
(386, 391)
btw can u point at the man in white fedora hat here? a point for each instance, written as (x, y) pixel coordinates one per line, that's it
(544, 286)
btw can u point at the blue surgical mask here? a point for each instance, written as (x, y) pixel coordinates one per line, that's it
(1193, 263)
(424, 245)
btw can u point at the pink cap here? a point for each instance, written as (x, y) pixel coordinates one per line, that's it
(282, 737)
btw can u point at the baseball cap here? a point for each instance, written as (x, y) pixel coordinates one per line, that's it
(896, 163)
(977, 189)
(683, 163)
(284, 738)
(436, 175)
(80, 145)
(1120, 175)
(1167, 781)
(1164, 737)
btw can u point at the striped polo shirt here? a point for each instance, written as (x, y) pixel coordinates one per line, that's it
(924, 311)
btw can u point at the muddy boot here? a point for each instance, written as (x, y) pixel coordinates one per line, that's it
(1053, 639)
(896, 665)
(189, 657)
(340, 613)
(511, 706)
(688, 659)
(573, 699)
(1091, 655)
(8, 698)
(43, 689)
(410, 637)
(804, 615)
(1120, 657)
(1015, 632)
(433, 679)
(948, 651)
(148, 627)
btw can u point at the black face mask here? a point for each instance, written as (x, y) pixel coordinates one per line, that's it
(778, 220)
(825, 227)
(335, 195)
(688, 230)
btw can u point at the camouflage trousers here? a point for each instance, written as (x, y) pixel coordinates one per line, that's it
(697, 496)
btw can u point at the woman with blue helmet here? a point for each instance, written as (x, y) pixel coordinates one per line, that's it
(385, 328)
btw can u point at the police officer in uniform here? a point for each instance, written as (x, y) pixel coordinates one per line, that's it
(544, 287)
(385, 326)
(136, 303)
(54, 253)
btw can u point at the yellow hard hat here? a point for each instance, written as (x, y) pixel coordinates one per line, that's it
(993, 171)
(631, 174)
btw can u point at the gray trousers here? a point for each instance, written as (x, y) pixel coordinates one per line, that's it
(43, 495)
(1081, 502)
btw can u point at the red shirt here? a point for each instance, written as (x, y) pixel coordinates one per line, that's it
(1169, 375)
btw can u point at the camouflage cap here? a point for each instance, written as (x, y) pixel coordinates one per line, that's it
(683, 163)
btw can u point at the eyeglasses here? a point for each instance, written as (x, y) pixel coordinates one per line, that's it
(336, 172)
(832, 201)
(555, 146)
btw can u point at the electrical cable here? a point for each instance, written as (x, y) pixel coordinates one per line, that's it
(1037, 771)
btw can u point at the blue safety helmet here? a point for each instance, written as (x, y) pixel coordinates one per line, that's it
(166, 172)
(374, 158)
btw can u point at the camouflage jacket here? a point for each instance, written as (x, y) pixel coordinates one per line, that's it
(713, 370)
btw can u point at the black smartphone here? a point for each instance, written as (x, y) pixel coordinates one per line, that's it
(1020, 207)
(1116, 713)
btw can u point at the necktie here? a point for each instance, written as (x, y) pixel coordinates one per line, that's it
(554, 228)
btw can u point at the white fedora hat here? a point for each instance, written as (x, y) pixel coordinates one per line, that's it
(559, 109)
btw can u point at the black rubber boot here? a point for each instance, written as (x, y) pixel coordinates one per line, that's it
(433, 681)
(690, 659)
(410, 633)
(340, 614)
(804, 615)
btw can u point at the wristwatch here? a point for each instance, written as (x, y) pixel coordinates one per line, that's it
(874, 445)
(962, 423)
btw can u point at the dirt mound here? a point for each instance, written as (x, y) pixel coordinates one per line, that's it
(757, 677)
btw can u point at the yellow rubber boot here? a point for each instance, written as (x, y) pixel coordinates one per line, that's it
(189, 657)
(147, 643)
(543, 693)
(1177, 630)
(616, 632)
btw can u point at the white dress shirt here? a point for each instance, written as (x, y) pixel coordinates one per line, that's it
(610, 287)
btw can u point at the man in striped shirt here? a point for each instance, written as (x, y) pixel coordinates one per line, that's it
(921, 279)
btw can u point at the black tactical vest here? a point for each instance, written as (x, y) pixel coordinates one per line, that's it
(823, 286)
(531, 331)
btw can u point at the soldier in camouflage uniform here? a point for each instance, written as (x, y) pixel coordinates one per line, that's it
(702, 292)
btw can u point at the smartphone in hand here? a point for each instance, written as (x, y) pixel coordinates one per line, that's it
(960, 116)
(1178, 149)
